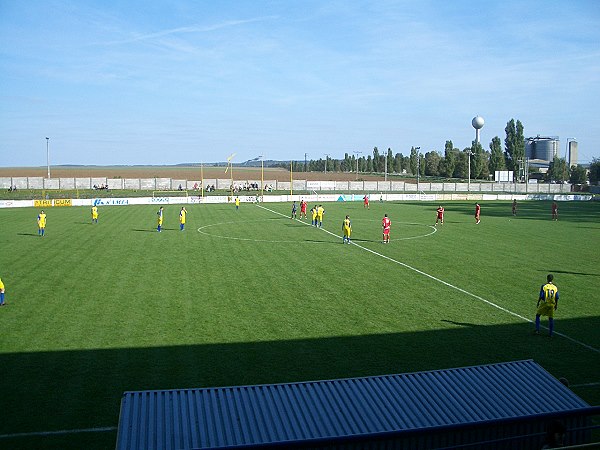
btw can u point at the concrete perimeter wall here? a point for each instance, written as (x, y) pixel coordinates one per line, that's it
(168, 184)
(311, 198)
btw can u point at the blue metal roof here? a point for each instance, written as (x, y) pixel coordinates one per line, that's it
(253, 415)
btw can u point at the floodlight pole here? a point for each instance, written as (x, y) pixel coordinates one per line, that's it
(48, 155)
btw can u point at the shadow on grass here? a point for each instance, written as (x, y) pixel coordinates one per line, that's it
(574, 273)
(27, 234)
(69, 390)
(574, 211)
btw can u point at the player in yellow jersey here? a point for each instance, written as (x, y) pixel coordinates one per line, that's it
(320, 212)
(313, 212)
(547, 304)
(347, 229)
(1, 293)
(237, 203)
(41, 221)
(94, 214)
(159, 219)
(182, 215)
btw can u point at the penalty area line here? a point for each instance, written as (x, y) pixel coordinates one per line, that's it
(57, 432)
(445, 283)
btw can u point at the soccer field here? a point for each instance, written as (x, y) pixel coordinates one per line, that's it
(251, 296)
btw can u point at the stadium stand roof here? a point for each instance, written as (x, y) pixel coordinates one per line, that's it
(453, 408)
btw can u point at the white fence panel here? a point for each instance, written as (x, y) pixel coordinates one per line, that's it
(147, 184)
(131, 183)
(384, 186)
(98, 182)
(163, 184)
(114, 183)
(67, 183)
(83, 183)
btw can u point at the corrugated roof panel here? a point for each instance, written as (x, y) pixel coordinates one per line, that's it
(253, 415)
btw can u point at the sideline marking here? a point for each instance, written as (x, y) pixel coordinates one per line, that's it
(445, 283)
(58, 432)
(585, 385)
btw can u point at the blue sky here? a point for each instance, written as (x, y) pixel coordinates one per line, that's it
(167, 82)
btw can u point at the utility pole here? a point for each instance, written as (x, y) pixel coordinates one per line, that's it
(48, 155)
(305, 166)
(469, 153)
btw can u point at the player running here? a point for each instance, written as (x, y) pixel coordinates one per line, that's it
(554, 211)
(477, 213)
(386, 224)
(347, 229)
(366, 202)
(440, 215)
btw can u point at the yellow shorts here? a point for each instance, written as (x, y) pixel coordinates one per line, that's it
(546, 309)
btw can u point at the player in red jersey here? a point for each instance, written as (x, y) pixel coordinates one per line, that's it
(366, 202)
(302, 208)
(386, 224)
(554, 211)
(477, 213)
(440, 215)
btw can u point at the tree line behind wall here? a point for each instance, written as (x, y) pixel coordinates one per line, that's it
(453, 163)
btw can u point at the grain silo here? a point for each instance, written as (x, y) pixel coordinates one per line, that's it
(542, 148)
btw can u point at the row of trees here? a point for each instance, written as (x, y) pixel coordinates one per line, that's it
(453, 163)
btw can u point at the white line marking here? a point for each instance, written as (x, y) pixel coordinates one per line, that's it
(58, 432)
(445, 283)
(201, 231)
(585, 385)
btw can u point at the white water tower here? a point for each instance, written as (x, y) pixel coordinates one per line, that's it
(477, 123)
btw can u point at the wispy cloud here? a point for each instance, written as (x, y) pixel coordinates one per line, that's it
(138, 37)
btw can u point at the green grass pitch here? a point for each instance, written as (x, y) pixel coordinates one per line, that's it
(251, 296)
